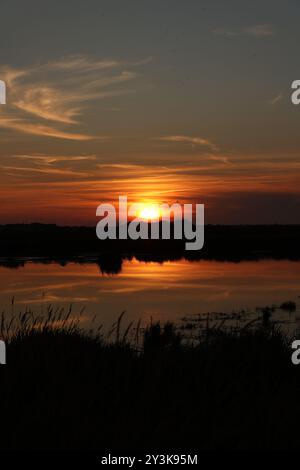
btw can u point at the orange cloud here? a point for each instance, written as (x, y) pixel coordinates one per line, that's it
(58, 92)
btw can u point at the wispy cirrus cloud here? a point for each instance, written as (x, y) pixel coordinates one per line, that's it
(258, 30)
(276, 98)
(49, 159)
(194, 141)
(225, 32)
(79, 166)
(21, 125)
(49, 99)
(46, 171)
(80, 63)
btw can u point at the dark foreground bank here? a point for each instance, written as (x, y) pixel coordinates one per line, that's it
(62, 389)
(232, 242)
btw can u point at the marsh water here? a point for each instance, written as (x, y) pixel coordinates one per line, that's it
(172, 290)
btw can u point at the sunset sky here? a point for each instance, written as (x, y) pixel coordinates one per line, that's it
(162, 101)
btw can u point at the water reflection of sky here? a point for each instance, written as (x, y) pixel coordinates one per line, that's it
(171, 290)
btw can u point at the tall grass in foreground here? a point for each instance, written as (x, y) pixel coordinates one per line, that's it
(64, 388)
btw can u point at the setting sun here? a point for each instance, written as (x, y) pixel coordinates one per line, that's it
(149, 211)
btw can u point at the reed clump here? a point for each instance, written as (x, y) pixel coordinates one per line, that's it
(67, 388)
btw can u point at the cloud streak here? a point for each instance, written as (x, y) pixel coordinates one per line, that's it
(258, 31)
(194, 141)
(21, 125)
(276, 98)
(58, 92)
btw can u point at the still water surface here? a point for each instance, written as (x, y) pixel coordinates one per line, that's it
(168, 291)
